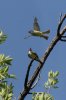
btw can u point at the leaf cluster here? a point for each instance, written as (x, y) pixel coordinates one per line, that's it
(42, 96)
(6, 90)
(51, 83)
(52, 80)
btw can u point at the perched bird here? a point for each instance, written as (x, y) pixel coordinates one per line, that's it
(33, 55)
(36, 31)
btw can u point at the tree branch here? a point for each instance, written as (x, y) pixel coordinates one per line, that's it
(60, 24)
(44, 58)
(36, 82)
(27, 74)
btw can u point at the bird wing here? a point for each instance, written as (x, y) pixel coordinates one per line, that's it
(36, 25)
(35, 55)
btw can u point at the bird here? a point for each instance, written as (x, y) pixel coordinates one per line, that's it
(36, 30)
(33, 55)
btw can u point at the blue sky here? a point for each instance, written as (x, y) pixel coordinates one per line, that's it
(16, 19)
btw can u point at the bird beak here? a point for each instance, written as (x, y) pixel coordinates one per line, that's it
(29, 31)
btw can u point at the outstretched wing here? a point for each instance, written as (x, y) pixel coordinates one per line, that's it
(36, 25)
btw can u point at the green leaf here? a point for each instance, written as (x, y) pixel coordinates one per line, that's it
(5, 60)
(41, 96)
(56, 73)
(12, 76)
(52, 79)
(2, 37)
(50, 74)
(47, 85)
(7, 92)
(8, 60)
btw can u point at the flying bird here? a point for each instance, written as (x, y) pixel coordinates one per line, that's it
(33, 55)
(36, 30)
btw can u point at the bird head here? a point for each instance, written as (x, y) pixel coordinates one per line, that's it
(30, 31)
(30, 49)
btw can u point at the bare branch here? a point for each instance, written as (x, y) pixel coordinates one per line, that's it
(35, 92)
(52, 44)
(44, 58)
(27, 73)
(60, 24)
(60, 17)
(36, 82)
(63, 38)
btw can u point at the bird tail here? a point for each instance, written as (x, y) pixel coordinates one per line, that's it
(44, 36)
(46, 32)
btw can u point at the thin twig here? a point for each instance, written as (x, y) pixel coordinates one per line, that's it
(35, 92)
(63, 36)
(36, 81)
(27, 73)
(60, 17)
(63, 40)
(60, 24)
